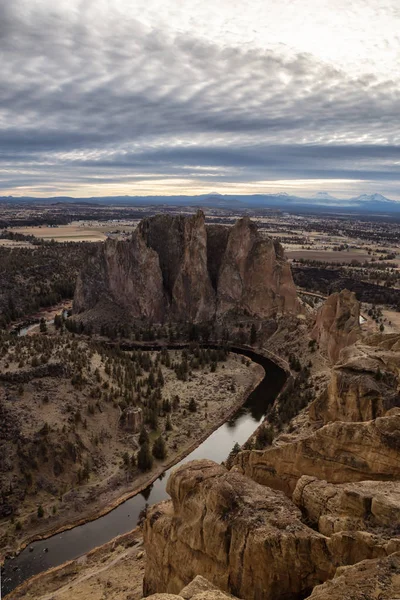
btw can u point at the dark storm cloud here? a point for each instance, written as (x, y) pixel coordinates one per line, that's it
(80, 97)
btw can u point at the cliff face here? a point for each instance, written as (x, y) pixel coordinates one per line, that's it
(364, 385)
(337, 324)
(338, 452)
(250, 540)
(242, 537)
(178, 268)
(254, 276)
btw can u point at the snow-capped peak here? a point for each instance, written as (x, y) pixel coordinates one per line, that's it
(324, 196)
(372, 198)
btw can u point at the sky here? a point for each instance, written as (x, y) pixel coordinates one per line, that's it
(159, 97)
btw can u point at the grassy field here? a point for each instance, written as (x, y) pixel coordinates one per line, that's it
(329, 255)
(78, 231)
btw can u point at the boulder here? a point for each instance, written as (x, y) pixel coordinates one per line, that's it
(198, 589)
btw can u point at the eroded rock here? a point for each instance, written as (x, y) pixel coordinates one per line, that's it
(338, 452)
(245, 539)
(199, 589)
(366, 505)
(337, 324)
(364, 384)
(367, 580)
(178, 268)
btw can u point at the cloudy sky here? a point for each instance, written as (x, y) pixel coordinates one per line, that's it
(109, 97)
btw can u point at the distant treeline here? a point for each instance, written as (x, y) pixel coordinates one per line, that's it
(326, 281)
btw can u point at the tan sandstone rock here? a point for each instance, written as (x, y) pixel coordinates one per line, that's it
(244, 538)
(338, 452)
(367, 580)
(363, 385)
(349, 506)
(337, 323)
(199, 589)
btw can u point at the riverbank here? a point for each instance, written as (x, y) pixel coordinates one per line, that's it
(106, 502)
(31, 324)
(114, 570)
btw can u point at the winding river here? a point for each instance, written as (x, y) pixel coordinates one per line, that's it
(44, 554)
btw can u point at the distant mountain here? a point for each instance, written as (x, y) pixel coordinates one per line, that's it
(324, 196)
(320, 201)
(368, 198)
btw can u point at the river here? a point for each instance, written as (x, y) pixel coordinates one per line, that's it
(44, 554)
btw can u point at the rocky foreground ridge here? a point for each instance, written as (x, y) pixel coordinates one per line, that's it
(317, 513)
(180, 269)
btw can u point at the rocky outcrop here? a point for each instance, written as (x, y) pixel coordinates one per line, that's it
(124, 276)
(367, 580)
(250, 540)
(198, 589)
(254, 276)
(179, 269)
(361, 506)
(131, 419)
(337, 324)
(244, 538)
(338, 452)
(350, 396)
(364, 385)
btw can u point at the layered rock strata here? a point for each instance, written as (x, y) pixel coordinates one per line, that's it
(177, 268)
(363, 506)
(338, 452)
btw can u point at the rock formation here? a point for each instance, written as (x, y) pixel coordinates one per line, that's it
(198, 589)
(338, 452)
(337, 323)
(244, 538)
(250, 540)
(177, 268)
(367, 580)
(361, 506)
(364, 385)
(132, 419)
(324, 495)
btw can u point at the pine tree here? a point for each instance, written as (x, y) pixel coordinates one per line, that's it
(144, 458)
(192, 405)
(159, 448)
(264, 436)
(143, 437)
